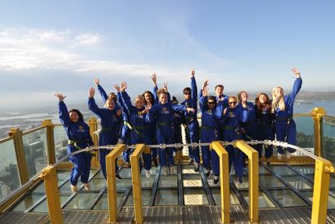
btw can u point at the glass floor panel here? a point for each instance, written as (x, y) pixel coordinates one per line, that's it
(192, 181)
(81, 201)
(217, 197)
(97, 184)
(102, 203)
(263, 199)
(195, 196)
(168, 181)
(125, 173)
(123, 184)
(298, 182)
(262, 170)
(270, 181)
(332, 181)
(147, 182)
(146, 194)
(66, 189)
(282, 170)
(304, 169)
(331, 200)
(244, 184)
(99, 175)
(27, 202)
(166, 197)
(43, 207)
(40, 189)
(188, 169)
(63, 174)
(287, 198)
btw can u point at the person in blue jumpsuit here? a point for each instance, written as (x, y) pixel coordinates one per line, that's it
(162, 115)
(209, 131)
(140, 128)
(231, 122)
(110, 126)
(124, 129)
(191, 122)
(177, 122)
(264, 119)
(78, 133)
(282, 107)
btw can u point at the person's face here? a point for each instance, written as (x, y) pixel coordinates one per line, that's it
(139, 103)
(219, 91)
(187, 94)
(278, 92)
(232, 103)
(211, 104)
(74, 117)
(163, 98)
(262, 99)
(147, 97)
(244, 97)
(110, 105)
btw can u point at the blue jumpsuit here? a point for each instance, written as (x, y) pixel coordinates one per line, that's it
(140, 128)
(190, 119)
(231, 122)
(110, 126)
(209, 133)
(221, 104)
(249, 121)
(177, 121)
(285, 127)
(79, 137)
(162, 114)
(265, 130)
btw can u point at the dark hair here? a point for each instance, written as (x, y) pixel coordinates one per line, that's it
(239, 96)
(174, 99)
(188, 89)
(261, 106)
(80, 115)
(113, 96)
(219, 85)
(152, 97)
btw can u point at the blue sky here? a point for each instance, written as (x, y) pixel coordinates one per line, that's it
(61, 46)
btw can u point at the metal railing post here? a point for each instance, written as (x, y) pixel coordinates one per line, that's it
(111, 182)
(93, 123)
(20, 156)
(224, 179)
(317, 115)
(51, 190)
(253, 178)
(321, 191)
(50, 140)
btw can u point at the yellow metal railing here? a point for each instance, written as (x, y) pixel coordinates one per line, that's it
(252, 155)
(111, 182)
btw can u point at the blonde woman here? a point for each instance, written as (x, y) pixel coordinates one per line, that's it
(282, 108)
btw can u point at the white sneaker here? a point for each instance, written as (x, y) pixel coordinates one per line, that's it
(288, 154)
(174, 154)
(279, 156)
(147, 173)
(171, 169)
(74, 189)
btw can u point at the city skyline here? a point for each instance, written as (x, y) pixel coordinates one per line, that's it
(48, 47)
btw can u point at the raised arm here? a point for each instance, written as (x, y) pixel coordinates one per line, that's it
(63, 112)
(297, 83)
(194, 91)
(102, 92)
(203, 99)
(125, 98)
(92, 106)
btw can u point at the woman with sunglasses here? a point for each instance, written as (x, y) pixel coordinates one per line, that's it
(209, 132)
(282, 108)
(78, 133)
(231, 121)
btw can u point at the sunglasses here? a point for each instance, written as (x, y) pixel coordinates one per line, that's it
(187, 93)
(234, 102)
(211, 102)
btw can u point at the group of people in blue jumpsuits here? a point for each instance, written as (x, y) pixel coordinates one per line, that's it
(156, 118)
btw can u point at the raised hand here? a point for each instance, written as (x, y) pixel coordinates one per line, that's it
(192, 73)
(296, 72)
(60, 96)
(205, 91)
(91, 92)
(124, 86)
(96, 81)
(154, 79)
(206, 84)
(117, 88)
(165, 87)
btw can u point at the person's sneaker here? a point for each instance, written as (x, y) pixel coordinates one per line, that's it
(240, 179)
(165, 170)
(87, 186)
(155, 162)
(191, 162)
(147, 173)
(74, 189)
(207, 172)
(171, 169)
(279, 156)
(288, 154)
(118, 176)
(126, 165)
(216, 179)
(268, 162)
(196, 167)
(174, 154)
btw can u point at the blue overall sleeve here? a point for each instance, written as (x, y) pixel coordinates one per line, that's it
(152, 114)
(103, 93)
(194, 94)
(296, 88)
(126, 103)
(92, 106)
(64, 114)
(154, 91)
(89, 137)
(202, 103)
(178, 108)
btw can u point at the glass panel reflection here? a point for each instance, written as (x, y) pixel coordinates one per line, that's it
(43, 207)
(282, 170)
(331, 200)
(60, 139)
(27, 202)
(217, 197)
(9, 175)
(97, 184)
(328, 140)
(168, 181)
(298, 182)
(146, 194)
(102, 203)
(270, 181)
(305, 169)
(167, 197)
(35, 150)
(305, 133)
(81, 201)
(195, 196)
(40, 189)
(263, 200)
(63, 174)
(147, 182)
(125, 173)
(288, 198)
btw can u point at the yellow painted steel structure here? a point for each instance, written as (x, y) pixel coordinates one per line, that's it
(317, 115)
(50, 140)
(51, 190)
(111, 182)
(253, 177)
(93, 123)
(224, 179)
(136, 180)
